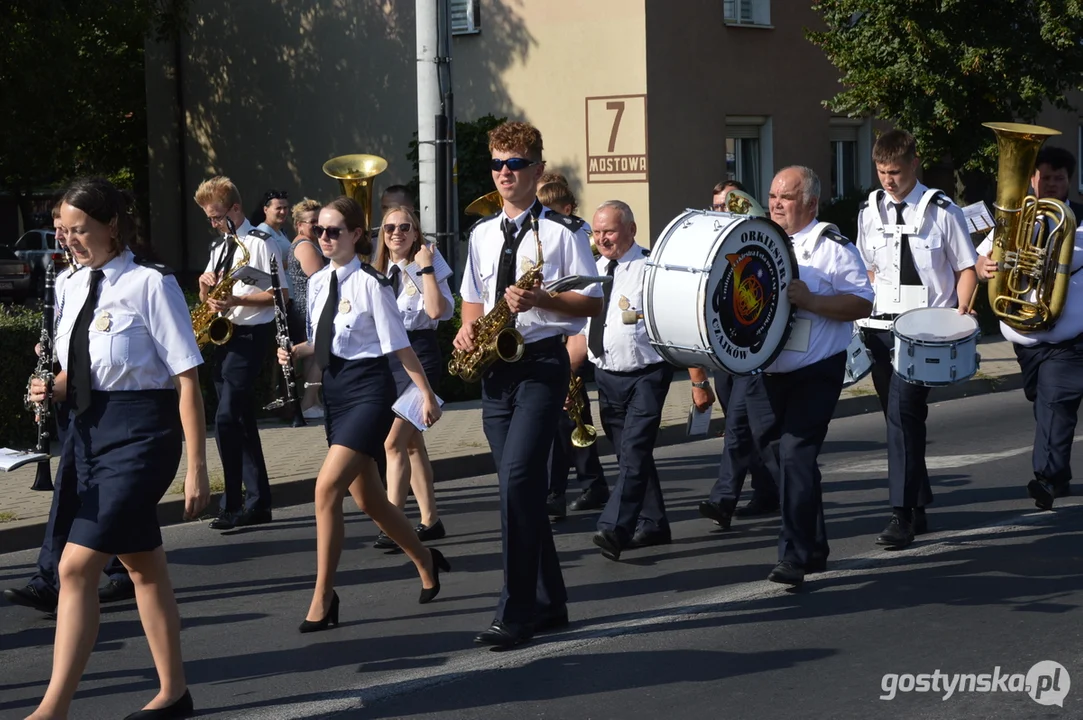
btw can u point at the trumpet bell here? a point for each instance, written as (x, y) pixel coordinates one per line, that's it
(487, 204)
(584, 437)
(354, 174)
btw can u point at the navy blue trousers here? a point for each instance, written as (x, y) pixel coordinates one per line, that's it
(236, 367)
(789, 413)
(1053, 381)
(65, 502)
(630, 405)
(521, 404)
(905, 407)
(739, 454)
(588, 466)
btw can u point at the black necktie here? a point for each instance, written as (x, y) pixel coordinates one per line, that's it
(325, 328)
(597, 325)
(908, 272)
(79, 351)
(505, 272)
(394, 274)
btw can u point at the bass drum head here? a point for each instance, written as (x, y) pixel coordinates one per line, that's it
(749, 314)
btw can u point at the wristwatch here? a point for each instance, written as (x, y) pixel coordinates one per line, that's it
(426, 270)
(702, 385)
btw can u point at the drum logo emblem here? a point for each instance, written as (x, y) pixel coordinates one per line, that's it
(746, 300)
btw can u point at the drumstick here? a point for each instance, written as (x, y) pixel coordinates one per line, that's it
(631, 317)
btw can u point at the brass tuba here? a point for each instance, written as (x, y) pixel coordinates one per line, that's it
(209, 326)
(583, 435)
(1034, 239)
(741, 203)
(354, 174)
(486, 205)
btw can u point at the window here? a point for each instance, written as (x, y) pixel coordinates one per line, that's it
(747, 12)
(850, 152)
(29, 241)
(749, 153)
(465, 17)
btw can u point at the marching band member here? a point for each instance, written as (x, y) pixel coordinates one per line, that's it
(127, 355)
(557, 196)
(270, 218)
(521, 401)
(633, 382)
(353, 325)
(41, 592)
(237, 363)
(424, 300)
(1051, 361)
(791, 403)
(932, 265)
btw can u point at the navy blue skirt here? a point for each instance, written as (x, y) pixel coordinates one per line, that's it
(357, 400)
(126, 448)
(428, 353)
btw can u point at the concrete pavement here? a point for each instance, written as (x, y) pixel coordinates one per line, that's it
(456, 445)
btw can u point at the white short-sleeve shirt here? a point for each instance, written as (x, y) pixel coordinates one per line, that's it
(411, 298)
(260, 258)
(626, 346)
(367, 320)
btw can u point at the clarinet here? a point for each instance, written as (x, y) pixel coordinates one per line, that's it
(282, 338)
(44, 371)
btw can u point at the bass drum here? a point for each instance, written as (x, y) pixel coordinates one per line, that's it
(714, 292)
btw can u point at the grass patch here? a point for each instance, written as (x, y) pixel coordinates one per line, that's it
(859, 391)
(218, 484)
(8, 516)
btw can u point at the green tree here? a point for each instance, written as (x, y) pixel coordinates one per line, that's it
(72, 89)
(940, 68)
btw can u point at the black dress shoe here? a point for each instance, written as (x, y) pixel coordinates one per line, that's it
(504, 635)
(330, 618)
(717, 512)
(757, 506)
(224, 521)
(30, 596)
(609, 542)
(556, 506)
(116, 591)
(649, 538)
(918, 522)
(180, 708)
(593, 498)
(551, 619)
(898, 533)
(787, 573)
(425, 533)
(252, 516)
(439, 562)
(383, 542)
(1042, 493)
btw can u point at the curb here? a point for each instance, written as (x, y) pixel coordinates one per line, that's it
(301, 490)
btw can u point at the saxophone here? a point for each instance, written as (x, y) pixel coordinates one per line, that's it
(208, 325)
(495, 336)
(583, 435)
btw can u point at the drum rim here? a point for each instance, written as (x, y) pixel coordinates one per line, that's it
(937, 383)
(935, 343)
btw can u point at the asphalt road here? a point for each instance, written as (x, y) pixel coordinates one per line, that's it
(689, 630)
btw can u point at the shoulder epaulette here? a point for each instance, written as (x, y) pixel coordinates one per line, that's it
(261, 234)
(163, 269)
(571, 222)
(862, 205)
(485, 219)
(942, 200)
(646, 252)
(380, 277)
(836, 236)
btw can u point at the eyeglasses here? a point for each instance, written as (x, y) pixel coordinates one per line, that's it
(403, 228)
(514, 164)
(332, 232)
(216, 219)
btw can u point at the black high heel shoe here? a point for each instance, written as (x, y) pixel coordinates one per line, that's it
(180, 708)
(439, 562)
(329, 620)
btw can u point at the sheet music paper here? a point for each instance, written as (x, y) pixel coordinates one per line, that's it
(699, 423)
(440, 268)
(14, 459)
(249, 275)
(978, 217)
(411, 407)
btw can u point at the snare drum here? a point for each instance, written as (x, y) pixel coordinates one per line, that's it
(935, 346)
(714, 292)
(858, 360)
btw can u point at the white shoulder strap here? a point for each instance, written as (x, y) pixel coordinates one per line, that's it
(879, 221)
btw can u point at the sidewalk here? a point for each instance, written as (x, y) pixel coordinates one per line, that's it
(456, 445)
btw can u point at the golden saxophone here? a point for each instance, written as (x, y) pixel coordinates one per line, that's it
(208, 325)
(583, 435)
(495, 336)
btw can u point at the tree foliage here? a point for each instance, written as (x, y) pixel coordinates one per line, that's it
(940, 68)
(72, 88)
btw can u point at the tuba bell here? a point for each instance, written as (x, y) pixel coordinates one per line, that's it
(487, 204)
(1034, 239)
(741, 203)
(354, 174)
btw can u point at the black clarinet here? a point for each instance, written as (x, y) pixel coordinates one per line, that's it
(282, 338)
(44, 371)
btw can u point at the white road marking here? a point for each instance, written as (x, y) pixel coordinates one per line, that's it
(934, 462)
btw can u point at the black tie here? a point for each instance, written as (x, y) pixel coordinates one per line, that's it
(325, 328)
(597, 326)
(79, 351)
(908, 272)
(505, 273)
(394, 275)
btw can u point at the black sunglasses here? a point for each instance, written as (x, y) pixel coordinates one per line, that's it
(332, 232)
(514, 164)
(275, 195)
(403, 228)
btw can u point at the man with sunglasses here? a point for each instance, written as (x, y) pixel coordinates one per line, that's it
(236, 364)
(522, 401)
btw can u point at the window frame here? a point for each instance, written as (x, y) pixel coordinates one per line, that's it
(472, 13)
(759, 13)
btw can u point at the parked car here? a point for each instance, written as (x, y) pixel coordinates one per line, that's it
(37, 248)
(15, 277)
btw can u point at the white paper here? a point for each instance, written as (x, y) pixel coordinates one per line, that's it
(249, 275)
(978, 217)
(13, 459)
(699, 423)
(799, 335)
(440, 268)
(411, 407)
(577, 282)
